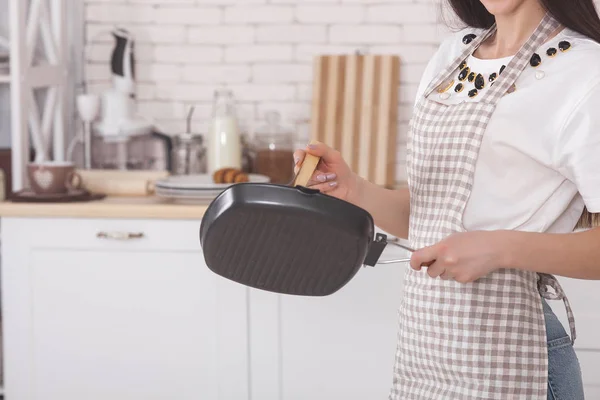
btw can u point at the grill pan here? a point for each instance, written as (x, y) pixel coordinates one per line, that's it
(289, 239)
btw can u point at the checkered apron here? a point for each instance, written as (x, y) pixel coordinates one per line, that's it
(482, 340)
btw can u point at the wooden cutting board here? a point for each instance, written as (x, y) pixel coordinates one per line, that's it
(355, 110)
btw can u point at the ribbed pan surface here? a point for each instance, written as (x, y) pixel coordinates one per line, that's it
(283, 250)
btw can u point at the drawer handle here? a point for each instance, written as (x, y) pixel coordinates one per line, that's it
(120, 235)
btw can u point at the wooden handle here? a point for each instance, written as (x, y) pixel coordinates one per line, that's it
(307, 169)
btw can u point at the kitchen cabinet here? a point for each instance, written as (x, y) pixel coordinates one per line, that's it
(93, 318)
(136, 314)
(584, 297)
(336, 347)
(125, 308)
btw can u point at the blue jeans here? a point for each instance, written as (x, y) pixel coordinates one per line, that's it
(564, 373)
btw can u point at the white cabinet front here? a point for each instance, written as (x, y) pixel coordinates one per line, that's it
(90, 324)
(336, 347)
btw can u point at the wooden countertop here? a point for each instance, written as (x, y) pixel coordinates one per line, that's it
(144, 207)
(147, 207)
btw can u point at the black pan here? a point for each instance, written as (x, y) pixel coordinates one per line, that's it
(289, 239)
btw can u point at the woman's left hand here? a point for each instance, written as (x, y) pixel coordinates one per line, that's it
(463, 257)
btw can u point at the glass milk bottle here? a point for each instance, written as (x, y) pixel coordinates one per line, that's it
(224, 144)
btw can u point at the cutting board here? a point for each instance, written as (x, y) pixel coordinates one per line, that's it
(355, 111)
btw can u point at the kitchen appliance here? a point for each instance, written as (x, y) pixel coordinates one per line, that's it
(289, 239)
(88, 108)
(189, 153)
(355, 111)
(4, 61)
(119, 119)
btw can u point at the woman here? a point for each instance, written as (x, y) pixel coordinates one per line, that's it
(502, 159)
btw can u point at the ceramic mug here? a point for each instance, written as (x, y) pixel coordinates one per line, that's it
(53, 177)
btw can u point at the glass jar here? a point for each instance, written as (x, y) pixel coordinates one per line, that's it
(274, 150)
(247, 154)
(188, 155)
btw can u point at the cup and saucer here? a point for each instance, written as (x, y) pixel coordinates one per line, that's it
(54, 181)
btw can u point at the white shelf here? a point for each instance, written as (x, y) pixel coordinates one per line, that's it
(4, 78)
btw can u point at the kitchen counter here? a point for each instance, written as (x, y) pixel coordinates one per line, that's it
(148, 207)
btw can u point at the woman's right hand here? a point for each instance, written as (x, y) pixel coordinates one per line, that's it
(332, 176)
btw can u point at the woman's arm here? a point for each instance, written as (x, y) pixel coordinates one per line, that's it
(573, 255)
(468, 256)
(390, 208)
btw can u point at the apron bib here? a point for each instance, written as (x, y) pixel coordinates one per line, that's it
(482, 340)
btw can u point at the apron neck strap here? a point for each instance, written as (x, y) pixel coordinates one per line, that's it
(542, 33)
(511, 73)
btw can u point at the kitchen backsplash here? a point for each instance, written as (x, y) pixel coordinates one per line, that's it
(262, 49)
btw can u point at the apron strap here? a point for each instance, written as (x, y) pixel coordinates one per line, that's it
(517, 64)
(548, 281)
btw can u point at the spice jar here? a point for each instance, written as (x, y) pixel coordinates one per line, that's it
(274, 150)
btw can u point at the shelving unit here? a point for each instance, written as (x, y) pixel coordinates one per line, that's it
(38, 63)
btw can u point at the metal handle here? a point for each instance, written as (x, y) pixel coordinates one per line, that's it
(403, 244)
(120, 235)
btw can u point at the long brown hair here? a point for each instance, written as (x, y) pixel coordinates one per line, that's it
(578, 15)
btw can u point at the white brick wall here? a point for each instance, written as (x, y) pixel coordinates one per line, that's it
(262, 49)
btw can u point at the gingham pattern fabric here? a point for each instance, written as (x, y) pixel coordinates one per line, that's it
(550, 282)
(483, 340)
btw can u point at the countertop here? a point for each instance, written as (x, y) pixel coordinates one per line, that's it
(147, 207)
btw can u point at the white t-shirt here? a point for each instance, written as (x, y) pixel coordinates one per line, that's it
(539, 161)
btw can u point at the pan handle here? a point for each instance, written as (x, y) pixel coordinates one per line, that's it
(379, 244)
(308, 168)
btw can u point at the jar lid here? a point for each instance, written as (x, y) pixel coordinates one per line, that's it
(189, 137)
(273, 126)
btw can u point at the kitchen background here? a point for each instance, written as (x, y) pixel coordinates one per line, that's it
(88, 297)
(261, 49)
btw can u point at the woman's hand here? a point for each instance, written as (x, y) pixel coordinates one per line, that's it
(333, 176)
(464, 257)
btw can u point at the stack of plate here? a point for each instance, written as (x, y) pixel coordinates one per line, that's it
(199, 188)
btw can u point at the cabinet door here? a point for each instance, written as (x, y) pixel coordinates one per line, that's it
(89, 323)
(590, 365)
(336, 347)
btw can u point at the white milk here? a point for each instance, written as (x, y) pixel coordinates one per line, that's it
(224, 146)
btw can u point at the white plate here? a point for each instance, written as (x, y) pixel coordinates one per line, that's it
(192, 195)
(201, 182)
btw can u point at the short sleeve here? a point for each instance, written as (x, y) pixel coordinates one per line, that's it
(579, 148)
(434, 66)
